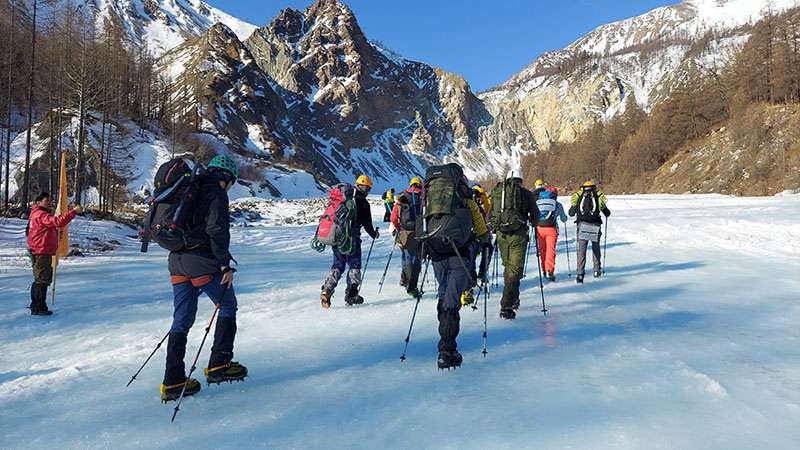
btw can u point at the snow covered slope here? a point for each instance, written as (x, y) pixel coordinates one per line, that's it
(160, 25)
(689, 342)
(634, 59)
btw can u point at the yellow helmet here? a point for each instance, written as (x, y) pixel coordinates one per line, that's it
(538, 183)
(364, 180)
(415, 180)
(588, 183)
(479, 189)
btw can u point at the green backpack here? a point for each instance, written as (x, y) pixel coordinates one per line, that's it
(448, 219)
(508, 207)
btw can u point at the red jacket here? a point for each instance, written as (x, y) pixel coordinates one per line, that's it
(395, 218)
(43, 230)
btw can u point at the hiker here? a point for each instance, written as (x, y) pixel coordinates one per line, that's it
(538, 187)
(351, 257)
(513, 208)
(477, 248)
(452, 220)
(407, 208)
(203, 266)
(588, 203)
(42, 234)
(388, 203)
(550, 210)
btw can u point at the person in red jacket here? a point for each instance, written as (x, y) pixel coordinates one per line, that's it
(43, 243)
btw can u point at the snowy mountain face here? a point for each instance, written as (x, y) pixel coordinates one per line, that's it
(635, 59)
(310, 92)
(161, 25)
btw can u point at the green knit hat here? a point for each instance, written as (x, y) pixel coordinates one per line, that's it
(225, 163)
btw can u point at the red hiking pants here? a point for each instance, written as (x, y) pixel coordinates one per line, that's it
(547, 238)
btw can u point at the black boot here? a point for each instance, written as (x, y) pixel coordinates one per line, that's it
(175, 373)
(508, 313)
(176, 350)
(39, 300)
(220, 365)
(449, 324)
(351, 296)
(579, 278)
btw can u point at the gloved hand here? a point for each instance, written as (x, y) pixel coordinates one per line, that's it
(607, 212)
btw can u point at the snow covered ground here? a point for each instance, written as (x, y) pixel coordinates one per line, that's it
(690, 341)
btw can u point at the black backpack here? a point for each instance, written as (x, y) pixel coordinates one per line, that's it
(589, 206)
(447, 218)
(508, 207)
(172, 204)
(410, 208)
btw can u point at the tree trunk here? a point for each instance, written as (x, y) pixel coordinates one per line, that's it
(9, 102)
(27, 178)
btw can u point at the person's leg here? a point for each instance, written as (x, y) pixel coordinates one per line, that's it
(225, 331)
(354, 275)
(415, 267)
(581, 263)
(185, 310)
(42, 277)
(403, 271)
(337, 269)
(596, 256)
(550, 238)
(541, 241)
(517, 245)
(457, 281)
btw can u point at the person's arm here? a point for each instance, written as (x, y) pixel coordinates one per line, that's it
(218, 228)
(52, 221)
(560, 212)
(601, 198)
(573, 209)
(478, 224)
(533, 209)
(366, 217)
(395, 218)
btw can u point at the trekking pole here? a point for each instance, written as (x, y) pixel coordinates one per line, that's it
(566, 236)
(386, 269)
(485, 301)
(148, 358)
(416, 305)
(527, 252)
(197, 356)
(366, 264)
(605, 247)
(496, 270)
(541, 284)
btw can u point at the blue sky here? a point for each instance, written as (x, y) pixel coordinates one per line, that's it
(486, 41)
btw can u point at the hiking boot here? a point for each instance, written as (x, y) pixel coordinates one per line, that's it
(467, 297)
(173, 391)
(551, 276)
(231, 371)
(41, 312)
(325, 299)
(449, 360)
(413, 292)
(579, 279)
(355, 300)
(597, 274)
(515, 305)
(508, 314)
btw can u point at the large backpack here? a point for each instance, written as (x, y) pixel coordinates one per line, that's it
(508, 207)
(410, 209)
(336, 224)
(167, 221)
(447, 218)
(589, 206)
(546, 203)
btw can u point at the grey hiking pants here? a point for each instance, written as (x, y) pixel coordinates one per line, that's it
(583, 244)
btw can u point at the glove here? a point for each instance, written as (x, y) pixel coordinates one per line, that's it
(485, 239)
(607, 212)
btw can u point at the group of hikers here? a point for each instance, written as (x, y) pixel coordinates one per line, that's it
(449, 223)
(441, 220)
